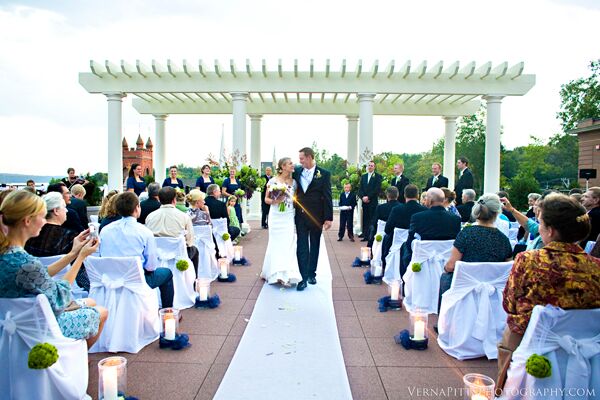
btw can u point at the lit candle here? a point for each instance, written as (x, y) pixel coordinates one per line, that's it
(109, 383)
(378, 271)
(395, 291)
(203, 293)
(223, 264)
(170, 327)
(364, 254)
(237, 254)
(419, 330)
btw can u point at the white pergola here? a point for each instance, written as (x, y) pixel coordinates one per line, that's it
(359, 94)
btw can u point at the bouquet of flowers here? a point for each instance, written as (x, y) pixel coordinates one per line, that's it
(240, 193)
(279, 190)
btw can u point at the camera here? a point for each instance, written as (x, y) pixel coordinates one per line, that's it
(93, 231)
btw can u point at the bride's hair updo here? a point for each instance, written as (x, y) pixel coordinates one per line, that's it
(281, 162)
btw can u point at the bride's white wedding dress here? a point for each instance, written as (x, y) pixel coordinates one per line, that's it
(280, 262)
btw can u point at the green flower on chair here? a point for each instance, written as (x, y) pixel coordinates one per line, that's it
(182, 265)
(538, 366)
(225, 236)
(42, 356)
(378, 237)
(416, 267)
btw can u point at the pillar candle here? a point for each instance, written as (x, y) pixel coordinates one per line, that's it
(419, 333)
(203, 293)
(109, 383)
(395, 291)
(170, 328)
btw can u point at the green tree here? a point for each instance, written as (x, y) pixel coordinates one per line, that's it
(520, 186)
(580, 99)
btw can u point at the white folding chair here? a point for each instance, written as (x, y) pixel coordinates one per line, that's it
(392, 260)
(24, 323)
(118, 284)
(76, 291)
(570, 339)
(376, 248)
(207, 260)
(225, 246)
(472, 318)
(171, 250)
(422, 288)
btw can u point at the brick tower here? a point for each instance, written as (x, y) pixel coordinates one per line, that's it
(138, 155)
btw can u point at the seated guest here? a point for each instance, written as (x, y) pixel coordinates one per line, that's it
(172, 180)
(531, 199)
(382, 212)
(449, 197)
(135, 182)
(347, 204)
(128, 238)
(53, 239)
(205, 179)
(433, 224)
(481, 242)
(78, 204)
(507, 215)
(73, 222)
(198, 210)
(108, 212)
(528, 224)
(151, 203)
(468, 201)
(218, 209)
(180, 200)
(560, 273)
(591, 201)
(400, 217)
(22, 275)
(168, 221)
(423, 198)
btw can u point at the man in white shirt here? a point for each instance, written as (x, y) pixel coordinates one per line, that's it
(168, 221)
(128, 238)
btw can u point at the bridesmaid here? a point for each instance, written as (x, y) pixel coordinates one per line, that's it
(135, 182)
(172, 179)
(205, 179)
(230, 185)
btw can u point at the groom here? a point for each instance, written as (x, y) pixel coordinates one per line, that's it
(314, 212)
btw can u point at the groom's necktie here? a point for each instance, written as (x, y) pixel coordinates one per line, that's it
(434, 180)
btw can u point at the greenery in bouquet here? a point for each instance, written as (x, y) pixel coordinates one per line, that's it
(250, 180)
(538, 366)
(182, 265)
(42, 356)
(378, 237)
(416, 267)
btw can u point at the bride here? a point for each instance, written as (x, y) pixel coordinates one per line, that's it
(281, 264)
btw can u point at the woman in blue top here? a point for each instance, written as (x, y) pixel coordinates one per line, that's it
(173, 180)
(22, 216)
(135, 182)
(230, 185)
(205, 179)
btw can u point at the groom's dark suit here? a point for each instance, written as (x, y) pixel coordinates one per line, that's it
(313, 208)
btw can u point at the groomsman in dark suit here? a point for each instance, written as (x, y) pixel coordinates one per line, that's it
(347, 203)
(265, 208)
(465, 178)
(437, 179)
(400, 181)
(370, 186)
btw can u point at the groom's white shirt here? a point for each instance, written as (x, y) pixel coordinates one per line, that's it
(306, 177)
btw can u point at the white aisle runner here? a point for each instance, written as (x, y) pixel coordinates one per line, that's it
(290, 349)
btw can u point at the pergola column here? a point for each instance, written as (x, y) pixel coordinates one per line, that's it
(160, 148)
(491, 182)
(115, 151)
(255, 159)
(365, 114)
(352, 139)
(239, 124)
(449, 149)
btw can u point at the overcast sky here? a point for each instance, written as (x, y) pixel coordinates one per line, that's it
(48, 122)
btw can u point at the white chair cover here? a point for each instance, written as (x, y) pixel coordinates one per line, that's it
(514, 225)
(118, 284)
(171, 250)
(225, 246)
(207, 260)
(76, 291)
(589, 246)
(422, 288)
(24, 323)
(570, 339)
(472, 318)
(392, 260)
(513, 233)
(376, 248)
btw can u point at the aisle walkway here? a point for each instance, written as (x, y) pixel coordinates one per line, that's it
(377, 368)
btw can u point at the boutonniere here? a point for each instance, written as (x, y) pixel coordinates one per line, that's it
(318, 175)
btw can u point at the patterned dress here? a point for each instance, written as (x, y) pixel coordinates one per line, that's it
(22, 275)
(560, 274)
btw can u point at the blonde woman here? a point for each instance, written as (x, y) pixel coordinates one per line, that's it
(23, 215)
(198, 210)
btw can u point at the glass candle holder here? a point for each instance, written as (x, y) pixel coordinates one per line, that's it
(365, 254)
(376, 268)
(203, 288)
(395, 290)
(418, 326)
(112, 378)
(169, 322)
(478, 387)
(223, 268)
(238, 253)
